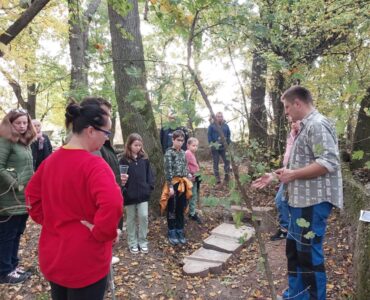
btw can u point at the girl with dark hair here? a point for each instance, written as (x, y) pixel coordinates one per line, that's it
(136, 192)
(16, 135)
(75, 198)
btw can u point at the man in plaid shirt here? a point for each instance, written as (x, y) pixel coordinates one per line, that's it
(314, 186)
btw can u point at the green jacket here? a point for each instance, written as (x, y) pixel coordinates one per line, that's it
(16, 169)
(175, 164)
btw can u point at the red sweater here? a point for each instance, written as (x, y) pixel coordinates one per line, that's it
(70, 186)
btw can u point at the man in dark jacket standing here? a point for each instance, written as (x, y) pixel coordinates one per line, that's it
(166, 133)
(217, 148)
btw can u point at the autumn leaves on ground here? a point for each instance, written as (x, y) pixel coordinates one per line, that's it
(158, 274)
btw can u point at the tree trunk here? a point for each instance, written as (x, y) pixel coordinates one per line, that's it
(135, 109)
(78, 44)
(279, 115)
(361, 139)
(31, 100)
(355, 199)
(258, 115)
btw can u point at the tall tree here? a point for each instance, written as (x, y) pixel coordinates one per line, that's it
(79, 21)
(362, 133)
(132, 97)
(258, 115)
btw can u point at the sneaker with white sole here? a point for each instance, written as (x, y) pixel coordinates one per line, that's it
(144, 249)
(115, 260)
(13, 277)
(134, 250)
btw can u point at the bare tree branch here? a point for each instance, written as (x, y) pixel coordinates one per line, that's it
(22, 22)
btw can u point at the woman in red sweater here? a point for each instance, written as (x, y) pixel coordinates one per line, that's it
(75, 198)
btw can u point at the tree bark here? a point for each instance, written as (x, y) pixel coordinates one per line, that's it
(258, 115)
(135, 109)
(78, 44)
(279, 115)
(22, 22)
(361, 139)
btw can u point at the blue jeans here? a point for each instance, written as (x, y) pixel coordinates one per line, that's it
(305, 253)
(282, 207)
(11, 229)
(216, 153)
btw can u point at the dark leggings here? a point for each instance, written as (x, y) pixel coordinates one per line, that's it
(93, 291)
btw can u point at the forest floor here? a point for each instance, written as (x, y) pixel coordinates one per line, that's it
(159, 275)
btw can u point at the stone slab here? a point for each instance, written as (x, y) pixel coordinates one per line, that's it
(201, 269)
(226, 244)
(203, 261)
(229, 231)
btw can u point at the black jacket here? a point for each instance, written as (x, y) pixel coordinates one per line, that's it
(166, 137)
(40, 155)
(140, 182)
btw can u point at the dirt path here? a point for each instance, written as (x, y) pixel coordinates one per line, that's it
(158, 274)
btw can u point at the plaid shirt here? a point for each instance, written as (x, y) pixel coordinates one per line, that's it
(316, 142)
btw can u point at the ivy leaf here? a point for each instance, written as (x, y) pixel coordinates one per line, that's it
(309, 235)
(301, 222)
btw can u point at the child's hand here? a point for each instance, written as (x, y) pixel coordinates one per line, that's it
(172, 192)
(87, 224)
(124, 178)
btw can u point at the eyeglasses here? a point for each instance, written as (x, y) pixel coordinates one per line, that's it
(106, 132)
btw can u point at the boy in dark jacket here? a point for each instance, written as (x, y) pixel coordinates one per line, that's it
(176, 173)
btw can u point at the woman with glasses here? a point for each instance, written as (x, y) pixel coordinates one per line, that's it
(16, 135)
(75, 198)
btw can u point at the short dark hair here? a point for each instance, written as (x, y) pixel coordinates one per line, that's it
(299, 92)
(178, 133)
(93, 99)
(85, 114)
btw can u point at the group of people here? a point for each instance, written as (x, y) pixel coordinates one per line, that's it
(77, 194)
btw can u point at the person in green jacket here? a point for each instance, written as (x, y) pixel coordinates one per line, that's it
(16, 169)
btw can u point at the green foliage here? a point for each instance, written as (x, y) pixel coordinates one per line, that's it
(358, 155)
(301, 222)
(238, 218)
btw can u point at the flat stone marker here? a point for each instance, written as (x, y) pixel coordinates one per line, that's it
(229, 231)
(229, 244)
(218, 248)
(203, 261)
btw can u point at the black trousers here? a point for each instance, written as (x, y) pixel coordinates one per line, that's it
(93, 291)
(175, 210)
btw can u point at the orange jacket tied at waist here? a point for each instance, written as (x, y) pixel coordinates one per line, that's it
(185, 185)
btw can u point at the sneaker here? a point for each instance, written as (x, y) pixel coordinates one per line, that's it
(134, 250)
(144, 249)
(13, 277)
(196, 218)
(172, 237)
(181, 236)
(279, 235)
(22, 271)
(115, 260)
